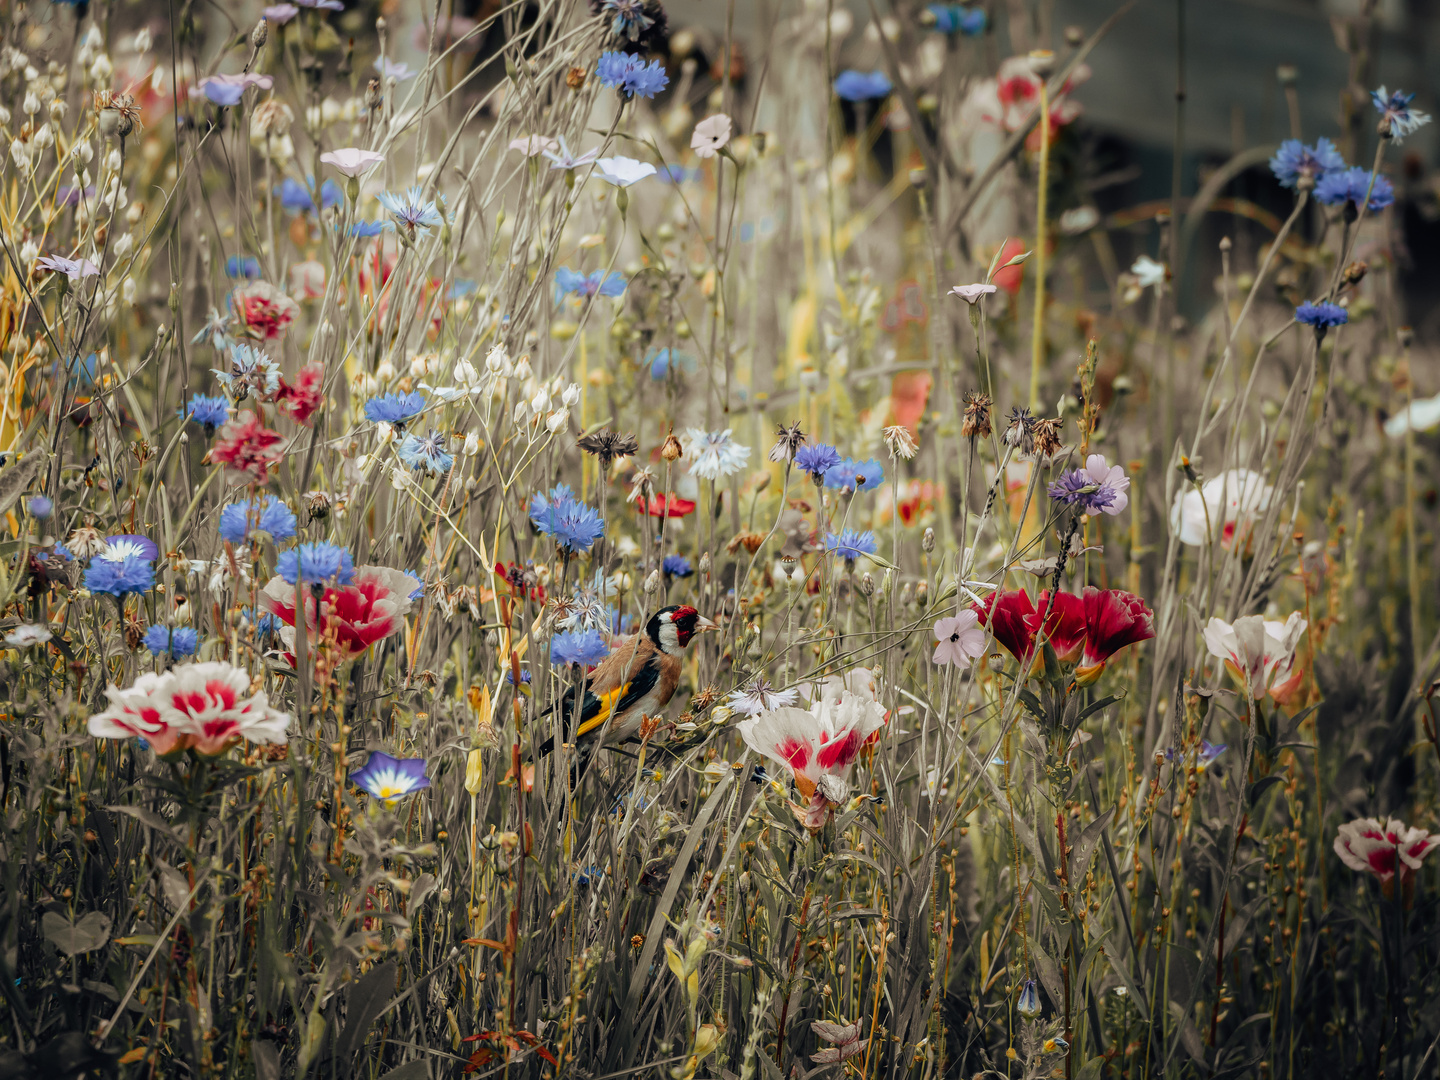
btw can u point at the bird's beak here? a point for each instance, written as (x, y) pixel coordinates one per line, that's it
(703, 624)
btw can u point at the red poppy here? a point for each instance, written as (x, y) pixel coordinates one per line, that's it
(671, 506)
(247, 446)
(300, 401)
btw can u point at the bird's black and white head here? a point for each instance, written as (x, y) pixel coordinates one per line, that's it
(671, 628)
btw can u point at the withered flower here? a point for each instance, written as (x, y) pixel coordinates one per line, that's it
(672, 450)
(1020, 435)
(608, 446)
(900, 442)
(1047, 437)
(976, 423)
(787, 441)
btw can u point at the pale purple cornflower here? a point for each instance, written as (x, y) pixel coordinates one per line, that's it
(1099, 486)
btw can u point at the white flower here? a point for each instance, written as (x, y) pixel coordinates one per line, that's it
(1223, 505)
(540, 403)
(714, 454)
(465, 373)
(1259, 651)
(352, 161)
(472, 444)
(972, 293)
(556, 420)
(521, 414)
(571, 396)
(24, 636)
(496, 359)
(623, 171)
(1148, 272)
(711, 135)
(1419, 415)
(385, 430)
(534, 146)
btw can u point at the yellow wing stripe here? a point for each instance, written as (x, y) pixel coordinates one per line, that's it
(607, 703)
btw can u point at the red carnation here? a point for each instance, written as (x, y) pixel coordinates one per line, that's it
(247, 446)
(1006, 614)
(300, 401)
(1113, 619)
(1065, 624)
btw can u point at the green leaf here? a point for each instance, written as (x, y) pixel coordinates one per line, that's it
(74, 938)
(418, 1069)
(367, 1001)
(1262, 785)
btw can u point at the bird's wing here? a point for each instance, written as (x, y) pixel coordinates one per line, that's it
(600, 707)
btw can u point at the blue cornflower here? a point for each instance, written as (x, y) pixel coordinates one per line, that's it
(850, 545)
(413, 211)
(1295, 161)
(631, 75)
(663, 360)
(957, 19)
(296, 197)
(316, 564)
(390, 779)
(265, 623)
(41, 507)
(676, 174)
(1350, 185)
(462, 288)
(855, 85)
(242, 266)
(178, 641)
(586, 647)
(132, 575)
(272, 516)
(852, 475)
(426, 452)
(817, 459)
(677, 566)
(599, 283)
(566, 520)
(1321, 316)
(366, 229)
(630, 20)
(209, 412)
(395, 409)
(248, 367)
(1396, 109)
(525, 677)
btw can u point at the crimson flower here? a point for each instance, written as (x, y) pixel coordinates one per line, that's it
(300, 401)
(352, 617)
(1114, 619)
(1006, 613)
(266, 311)
(1064, 626)
(671, 506)
(247, 446)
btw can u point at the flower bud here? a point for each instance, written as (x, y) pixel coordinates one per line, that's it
(652, 582)
(672, 450)
(705, 562)
(259, 34)
(867, 585)
(927, 540)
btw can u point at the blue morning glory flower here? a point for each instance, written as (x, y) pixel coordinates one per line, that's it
(1321, 316)
(1350, 185)
(852, 475)
(631, 75)
(426, 452)
(850, 544)
(957, 19)
(569, 522)
(1294, 160)
(677, 566)
(413, 211)
(817, 459)
(242, 266)
(316, 564)
(390, 779)
(395, 409)
(599, 283)
(587, 647)
(1396, 108)
(210, 413)
(117, 578)
(271, 516)
(124, 546)
(178, 641)
(855, 85)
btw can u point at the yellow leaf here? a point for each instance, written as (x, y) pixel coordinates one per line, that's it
(474, 772)
(132, 1056)
(675, 960)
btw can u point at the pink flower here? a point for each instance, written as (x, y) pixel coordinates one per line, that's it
(972, 293)
(711, 135)
(247, 446)
(1368, 845)
(300, 401)
(307, 280)
(961, 639)
(816, 746)
(351, 617)
(204, 707)
(1259, 652)
(265, 310)
(352, 161)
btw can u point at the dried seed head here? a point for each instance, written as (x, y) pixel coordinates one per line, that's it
(901, 443)
(672, 449)
(976, 423)
(1047, 437)
(575, 78)
(1020, 435)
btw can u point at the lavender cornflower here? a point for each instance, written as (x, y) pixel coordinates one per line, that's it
(1099, 486)
(1396, 117)
(426, 452)
(1295, 162)
(1348, 186)
(817, 459)
(316, 564)
(631, 74)
(856, 476)
(587, 647)
(74, 269)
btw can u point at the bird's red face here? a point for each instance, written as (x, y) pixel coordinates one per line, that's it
(673, 627)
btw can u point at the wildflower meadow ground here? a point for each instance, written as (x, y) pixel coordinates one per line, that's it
(548, 542)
